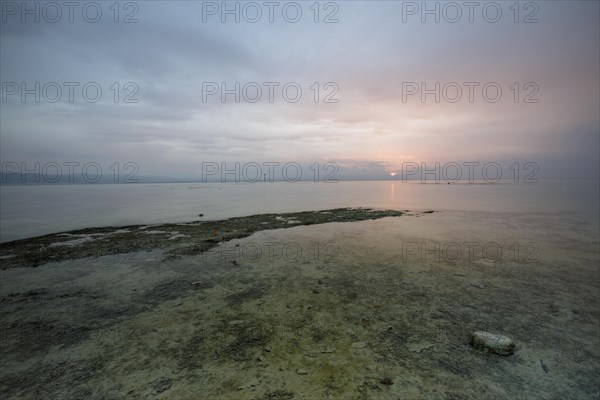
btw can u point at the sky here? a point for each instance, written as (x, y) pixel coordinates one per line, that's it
(350, 82)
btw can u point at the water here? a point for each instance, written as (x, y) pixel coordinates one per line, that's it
(28, 211)
(353, 305)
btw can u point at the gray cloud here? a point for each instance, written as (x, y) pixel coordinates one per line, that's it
(170, 52)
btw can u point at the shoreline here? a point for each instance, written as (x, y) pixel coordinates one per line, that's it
(176, 239)
(348, 315)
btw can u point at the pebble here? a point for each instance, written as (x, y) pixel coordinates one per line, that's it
(371, 367)
(544, 367)
(386, 381)
(419, 347)
(252, 383)
(477, 285)
(358, 345)
(160, 385)
(493, 342)
(301, 371)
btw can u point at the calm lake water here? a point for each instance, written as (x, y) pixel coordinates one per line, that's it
(28, 211)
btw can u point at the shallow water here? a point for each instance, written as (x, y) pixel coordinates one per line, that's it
(29, 211)
(335, 311)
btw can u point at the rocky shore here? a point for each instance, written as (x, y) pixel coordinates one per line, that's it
(263, 308)
(176, 239)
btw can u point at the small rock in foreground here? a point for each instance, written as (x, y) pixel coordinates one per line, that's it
(160, 385)
(493, 342)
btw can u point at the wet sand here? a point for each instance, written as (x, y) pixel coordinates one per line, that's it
(375, 309)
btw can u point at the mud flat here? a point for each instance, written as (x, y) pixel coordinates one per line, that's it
(347, 308)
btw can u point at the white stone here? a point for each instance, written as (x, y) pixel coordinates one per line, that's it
(493, 342)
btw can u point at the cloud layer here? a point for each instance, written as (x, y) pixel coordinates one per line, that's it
(367, 61)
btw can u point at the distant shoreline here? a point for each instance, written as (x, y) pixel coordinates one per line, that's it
(177, 239)
(31, 181)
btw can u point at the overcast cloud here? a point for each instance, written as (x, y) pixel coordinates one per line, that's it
(170, 54)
